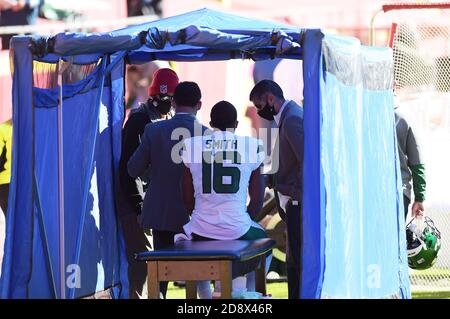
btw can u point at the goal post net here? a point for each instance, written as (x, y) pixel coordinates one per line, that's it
(419, 35)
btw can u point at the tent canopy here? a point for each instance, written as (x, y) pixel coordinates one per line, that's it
(345, 90)
(195, 36)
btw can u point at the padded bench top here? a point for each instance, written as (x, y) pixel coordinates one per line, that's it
(240, 250)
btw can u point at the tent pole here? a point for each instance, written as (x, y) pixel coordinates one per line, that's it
(62, 270)
(62, 267)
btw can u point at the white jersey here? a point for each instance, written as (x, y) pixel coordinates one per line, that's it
(221, 165)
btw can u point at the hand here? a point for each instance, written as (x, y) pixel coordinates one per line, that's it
(417, 210)
(18, 6)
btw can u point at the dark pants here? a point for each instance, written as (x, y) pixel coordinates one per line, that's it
(135, 241)
(4, 192)
(252, 234)
(162, 239)
(406, 202)
(293, 249)
(409, 234)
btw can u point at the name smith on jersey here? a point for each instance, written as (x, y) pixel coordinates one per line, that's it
(221, 144)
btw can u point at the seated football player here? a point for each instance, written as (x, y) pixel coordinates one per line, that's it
(220, 169)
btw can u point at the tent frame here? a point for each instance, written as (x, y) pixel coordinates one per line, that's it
(136, 49)
(201, 35)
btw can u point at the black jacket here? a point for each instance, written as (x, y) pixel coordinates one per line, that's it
(132, 188)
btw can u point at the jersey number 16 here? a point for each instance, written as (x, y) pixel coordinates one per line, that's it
(214, 167)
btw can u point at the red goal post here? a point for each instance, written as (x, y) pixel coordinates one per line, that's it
(401, 7)
(419, 35)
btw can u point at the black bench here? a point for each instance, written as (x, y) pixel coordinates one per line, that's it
(221, 260)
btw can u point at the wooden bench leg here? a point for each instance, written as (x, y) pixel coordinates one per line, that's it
(225, 279)
(260, 277)
(152, 280)
(191, 289)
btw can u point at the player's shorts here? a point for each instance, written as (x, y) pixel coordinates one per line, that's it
(256, 231)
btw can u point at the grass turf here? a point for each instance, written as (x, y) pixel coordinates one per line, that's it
(278, 290)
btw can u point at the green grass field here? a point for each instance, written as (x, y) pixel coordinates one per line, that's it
(431, 294)
(279, 291)
(432, 272)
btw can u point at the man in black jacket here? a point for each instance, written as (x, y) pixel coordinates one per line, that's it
(131, 190)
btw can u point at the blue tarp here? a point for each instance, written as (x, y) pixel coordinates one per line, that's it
(94, 255)
(365, 229)
(333, 214)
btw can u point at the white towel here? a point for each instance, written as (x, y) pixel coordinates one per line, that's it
(187, 235)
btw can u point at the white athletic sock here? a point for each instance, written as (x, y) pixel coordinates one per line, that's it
(204, 289)
(239, 284)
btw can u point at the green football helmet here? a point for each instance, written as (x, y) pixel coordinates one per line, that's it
(423, 243)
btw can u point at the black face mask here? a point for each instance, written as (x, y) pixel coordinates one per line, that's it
(163, 105)
(267, 112)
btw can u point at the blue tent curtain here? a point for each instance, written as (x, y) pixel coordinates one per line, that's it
(94, 254)
(313, 201)
(117, 112)
(365, 222)
(17, 263)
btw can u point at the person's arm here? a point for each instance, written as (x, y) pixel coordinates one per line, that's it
(188, 190)
(256, 193)
(141, 158)
(131, 187)
(293, 127)
(419, 184)
(417, 167)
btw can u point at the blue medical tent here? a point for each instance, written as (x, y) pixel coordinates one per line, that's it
(63, 239)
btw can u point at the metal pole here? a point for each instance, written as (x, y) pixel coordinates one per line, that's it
(372, 28)
(62, 267)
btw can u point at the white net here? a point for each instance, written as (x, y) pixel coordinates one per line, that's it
(420, 40)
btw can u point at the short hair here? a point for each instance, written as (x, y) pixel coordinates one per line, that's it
(266, 86)
(187, 94)
(223, 115)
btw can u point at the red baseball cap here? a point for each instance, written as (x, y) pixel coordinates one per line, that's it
(164, 82)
